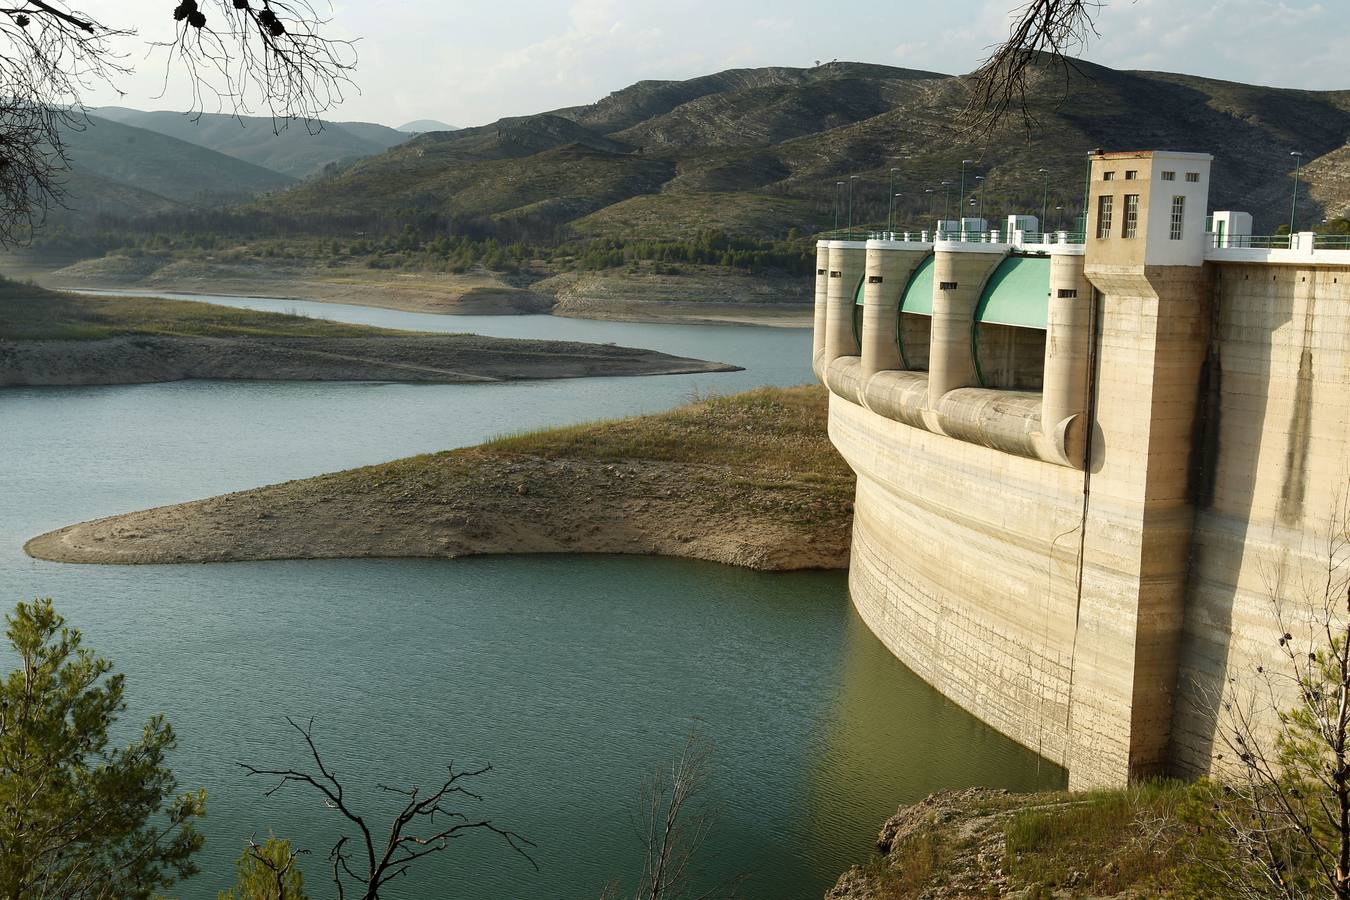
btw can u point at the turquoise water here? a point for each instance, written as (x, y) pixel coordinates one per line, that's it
(574, 676)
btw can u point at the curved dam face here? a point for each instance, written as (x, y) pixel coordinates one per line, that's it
(964, 564)
(1079, 458)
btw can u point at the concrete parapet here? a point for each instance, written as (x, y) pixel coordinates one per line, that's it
(848, 260)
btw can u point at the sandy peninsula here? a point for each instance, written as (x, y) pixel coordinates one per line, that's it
(749, 480)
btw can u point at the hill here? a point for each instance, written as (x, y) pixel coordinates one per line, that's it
(291, 149)
(420, 125)
(759, 151)
(121, 171)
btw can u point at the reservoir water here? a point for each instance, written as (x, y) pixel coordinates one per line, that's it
(575, 677)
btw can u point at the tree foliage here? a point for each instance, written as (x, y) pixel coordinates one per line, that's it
(267, 871)
(80, 817)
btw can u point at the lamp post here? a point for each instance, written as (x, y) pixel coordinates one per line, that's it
(1293, 204)
(946, 206)
(894, 197)
(979, 189)
(962, 192)
(1045, 197)
(931, 197)
(851, 179)
(890, 212)
(838, 201)
(1059, 218)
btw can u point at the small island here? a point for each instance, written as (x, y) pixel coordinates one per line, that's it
(53, 338)
(748, 480)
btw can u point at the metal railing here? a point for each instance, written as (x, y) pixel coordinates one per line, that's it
(927, 236)
(1248, 241)
(1332, 242)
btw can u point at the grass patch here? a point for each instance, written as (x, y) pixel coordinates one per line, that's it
(1100, 842)
(31, 313)
(766, 429)
(1153, 839)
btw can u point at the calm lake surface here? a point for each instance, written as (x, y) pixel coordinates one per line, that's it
(574, 677)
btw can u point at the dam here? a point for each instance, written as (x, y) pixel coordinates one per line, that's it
(1088, 465)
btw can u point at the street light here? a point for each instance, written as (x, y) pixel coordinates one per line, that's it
(1059, 218)
(931, 197)
(838, 201)
(963, 187)
(946, 205)
(979, 181)
(1045, 198)
(851, 179)
(891, 228)
(1293, 204)
(890, 225)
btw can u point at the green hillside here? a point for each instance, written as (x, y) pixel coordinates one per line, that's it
(292, 149)
(758, 151)
(107, 156)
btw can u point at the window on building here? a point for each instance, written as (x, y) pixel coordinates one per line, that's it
(1192, 176)
(1108, 176)
(1178, 217)
(820, 271)
(947, 285)
(836, 274)
(1168, 176)
(1067, 294)
(874, 279)
(1131, 216)
(1131, 174)
(1104, 204)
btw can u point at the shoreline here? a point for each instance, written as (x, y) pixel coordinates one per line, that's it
(670, 484)
(698, 296)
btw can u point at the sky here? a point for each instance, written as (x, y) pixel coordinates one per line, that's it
(470, 62)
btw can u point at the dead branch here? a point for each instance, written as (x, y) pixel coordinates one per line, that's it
(1045, 34)
(403, 845)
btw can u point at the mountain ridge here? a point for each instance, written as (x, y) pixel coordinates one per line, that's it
(763, 151)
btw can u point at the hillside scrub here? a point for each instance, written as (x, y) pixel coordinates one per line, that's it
(749, 480)
(1150, 840)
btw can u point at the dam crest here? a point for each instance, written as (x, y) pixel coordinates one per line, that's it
(1080, 457)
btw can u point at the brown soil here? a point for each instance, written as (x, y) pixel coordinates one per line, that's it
(410, 358)
(676, 484)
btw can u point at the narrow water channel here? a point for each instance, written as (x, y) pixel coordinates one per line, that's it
(574, 676)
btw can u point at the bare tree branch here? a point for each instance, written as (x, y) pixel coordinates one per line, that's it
(403, 844)
(1045, 35)
(276, 57)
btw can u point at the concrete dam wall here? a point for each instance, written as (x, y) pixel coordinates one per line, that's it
(1086, 466)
